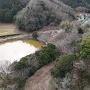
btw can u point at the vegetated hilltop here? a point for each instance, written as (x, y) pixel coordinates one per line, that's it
(79, 5)
(40, 13)
(9, 8)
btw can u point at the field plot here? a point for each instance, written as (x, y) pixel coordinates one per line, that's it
(9, 29)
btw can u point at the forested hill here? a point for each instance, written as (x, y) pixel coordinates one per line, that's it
(40, 13)
(9, 8)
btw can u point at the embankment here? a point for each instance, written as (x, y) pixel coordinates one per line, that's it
(15, 37)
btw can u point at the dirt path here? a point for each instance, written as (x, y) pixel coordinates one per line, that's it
(40, 80)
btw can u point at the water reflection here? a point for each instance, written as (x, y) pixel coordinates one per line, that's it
(12, 51)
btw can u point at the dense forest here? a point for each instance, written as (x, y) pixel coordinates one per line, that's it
(9, 8)
(78, 3)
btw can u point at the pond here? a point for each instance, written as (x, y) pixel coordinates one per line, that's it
(14, 50)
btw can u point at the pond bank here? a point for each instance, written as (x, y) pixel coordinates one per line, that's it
(15, 37)
(20, 37)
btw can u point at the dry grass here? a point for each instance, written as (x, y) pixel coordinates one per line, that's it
(9, 29)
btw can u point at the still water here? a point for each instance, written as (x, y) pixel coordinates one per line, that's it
(14, 50)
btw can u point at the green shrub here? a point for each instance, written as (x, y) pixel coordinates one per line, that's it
(47, 54)
(20, 25)
(35, 35)
(51, 46)
(20, 81)
(63, 65)
(85, 48)
(32, 71)
(21, 64)
(80, 31)
(67, 25)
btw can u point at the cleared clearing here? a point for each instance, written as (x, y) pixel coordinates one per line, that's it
(9, 29)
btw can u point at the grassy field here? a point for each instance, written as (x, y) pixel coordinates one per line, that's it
(9, 29)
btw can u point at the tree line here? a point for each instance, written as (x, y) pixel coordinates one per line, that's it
(9, 8)
(78, 3)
